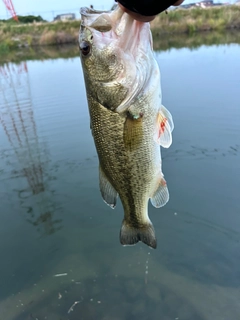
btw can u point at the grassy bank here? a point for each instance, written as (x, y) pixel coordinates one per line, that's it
(15, 35)
(197, 19)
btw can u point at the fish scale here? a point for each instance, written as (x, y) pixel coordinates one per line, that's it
(128, 172)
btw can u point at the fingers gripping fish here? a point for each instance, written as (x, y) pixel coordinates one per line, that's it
(128, 120)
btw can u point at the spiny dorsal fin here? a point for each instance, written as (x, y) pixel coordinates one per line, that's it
(161, 195)
(109, 194)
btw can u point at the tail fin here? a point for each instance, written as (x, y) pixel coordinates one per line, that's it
(130, 235)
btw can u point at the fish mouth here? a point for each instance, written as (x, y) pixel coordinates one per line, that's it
(129, 39)
(92, 18)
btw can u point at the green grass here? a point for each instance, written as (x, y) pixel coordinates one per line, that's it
(197, 19)
(15, 35)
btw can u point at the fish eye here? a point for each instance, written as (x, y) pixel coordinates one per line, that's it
(85, 48)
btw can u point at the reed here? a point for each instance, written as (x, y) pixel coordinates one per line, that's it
(197, 19)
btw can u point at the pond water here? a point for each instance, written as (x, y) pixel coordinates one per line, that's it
(59, 243)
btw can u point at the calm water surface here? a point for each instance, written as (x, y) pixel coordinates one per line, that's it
(53, 220)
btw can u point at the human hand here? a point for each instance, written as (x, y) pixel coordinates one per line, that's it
(142, 18)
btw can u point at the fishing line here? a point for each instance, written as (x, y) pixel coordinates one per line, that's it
(146, 268)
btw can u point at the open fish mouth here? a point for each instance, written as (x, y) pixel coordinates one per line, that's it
(89, 16)
(129, 41)
(85, 11)
(131, 35)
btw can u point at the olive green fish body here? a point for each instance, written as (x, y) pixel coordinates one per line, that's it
(128, 122)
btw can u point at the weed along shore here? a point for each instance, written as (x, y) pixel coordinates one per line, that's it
(15, 35)
(197, 20)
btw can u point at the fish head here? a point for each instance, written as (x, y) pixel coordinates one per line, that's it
(115, 53)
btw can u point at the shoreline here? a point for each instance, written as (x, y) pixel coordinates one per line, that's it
(179, 22)
(160, 43)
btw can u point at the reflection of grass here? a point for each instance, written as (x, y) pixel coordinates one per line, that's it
(195, 40)
(163, 42)
(39, 53)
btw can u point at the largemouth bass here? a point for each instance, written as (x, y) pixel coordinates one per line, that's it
(128, 120)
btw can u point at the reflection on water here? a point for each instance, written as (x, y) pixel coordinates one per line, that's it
(193, 41)
(135, 301)
(40, 53)
(49, 180)
(161, 43)
(201, 153)
(26, 155)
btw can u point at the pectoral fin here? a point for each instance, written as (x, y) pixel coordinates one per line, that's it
(109, 194)
(165, 127)
(161, 195)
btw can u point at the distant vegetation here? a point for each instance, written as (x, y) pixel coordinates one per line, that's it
(24, 19)
(197, 19)
(14, 35)
(32, 31)
(30, 19)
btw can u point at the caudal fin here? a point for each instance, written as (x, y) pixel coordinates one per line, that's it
(130, 235)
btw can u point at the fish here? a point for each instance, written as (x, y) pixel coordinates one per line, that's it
(127, 119)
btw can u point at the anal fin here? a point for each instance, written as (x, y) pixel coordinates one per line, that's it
(161, 195)
(108, 192)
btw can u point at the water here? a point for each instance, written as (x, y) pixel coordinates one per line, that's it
(53, 220)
